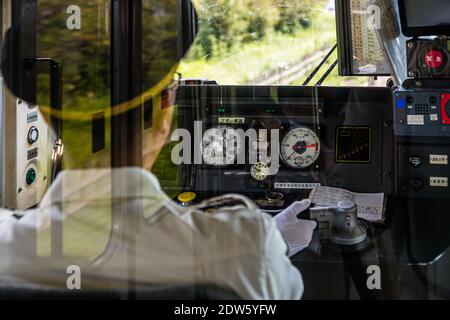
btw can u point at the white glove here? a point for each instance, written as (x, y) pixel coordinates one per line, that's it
(296, 232)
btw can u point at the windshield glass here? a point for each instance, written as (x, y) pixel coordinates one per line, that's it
(264, 42)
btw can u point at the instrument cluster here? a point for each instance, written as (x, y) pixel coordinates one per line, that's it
(297, 148)
(274, 143)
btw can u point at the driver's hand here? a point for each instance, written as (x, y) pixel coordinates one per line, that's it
(296, 232)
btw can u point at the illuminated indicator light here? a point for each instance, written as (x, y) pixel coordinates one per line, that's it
(31, 176)
(187, 197)
(401, 104)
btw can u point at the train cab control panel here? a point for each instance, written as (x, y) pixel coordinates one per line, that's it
(275, 144)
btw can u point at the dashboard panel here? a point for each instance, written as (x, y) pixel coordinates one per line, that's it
(274, 144)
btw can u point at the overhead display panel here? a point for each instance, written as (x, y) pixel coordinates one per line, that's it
(425, 18)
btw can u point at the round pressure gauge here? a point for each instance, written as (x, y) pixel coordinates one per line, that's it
(221, 146)
(260, 171)
(300, 148)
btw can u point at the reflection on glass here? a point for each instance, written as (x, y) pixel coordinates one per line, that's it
(159, 40)
(84, 58)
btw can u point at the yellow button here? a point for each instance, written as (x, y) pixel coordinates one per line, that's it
(187, 197)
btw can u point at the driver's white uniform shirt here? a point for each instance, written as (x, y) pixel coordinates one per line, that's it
(236, 249)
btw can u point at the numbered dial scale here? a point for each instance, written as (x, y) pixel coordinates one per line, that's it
(260, 171)
(300, 148)
(220, 146)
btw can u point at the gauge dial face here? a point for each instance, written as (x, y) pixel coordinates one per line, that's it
(220, 146)
(300, 148)
(260, 171)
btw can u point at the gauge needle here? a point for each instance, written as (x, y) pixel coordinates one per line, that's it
(311, 146)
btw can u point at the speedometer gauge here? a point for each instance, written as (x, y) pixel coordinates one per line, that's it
(300, 148)
(220, 146)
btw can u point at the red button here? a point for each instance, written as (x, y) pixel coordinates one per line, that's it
(434, 59)
(445, 107)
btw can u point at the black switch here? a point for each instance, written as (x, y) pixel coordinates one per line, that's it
(433, 100)
(416, 184)
(409, 100)
(415, 161)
